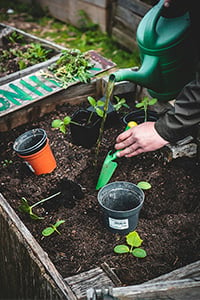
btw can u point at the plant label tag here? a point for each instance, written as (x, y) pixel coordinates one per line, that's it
(118, 224)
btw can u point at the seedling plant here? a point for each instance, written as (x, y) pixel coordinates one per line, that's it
(26, 208)
(134, 242)
(53, 228)
(144, 104)
(62, 124)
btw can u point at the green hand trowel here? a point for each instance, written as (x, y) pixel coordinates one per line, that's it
(109, 164)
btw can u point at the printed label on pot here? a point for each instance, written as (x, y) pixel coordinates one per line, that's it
(118, 224)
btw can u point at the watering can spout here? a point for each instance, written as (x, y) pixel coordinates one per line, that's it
(148, 75)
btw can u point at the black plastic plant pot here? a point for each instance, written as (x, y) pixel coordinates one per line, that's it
(139, 117)
(84, 134)
(121, 203)
(112, 118)
(30, 142)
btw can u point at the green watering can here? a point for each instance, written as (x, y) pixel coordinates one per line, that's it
(167, 53)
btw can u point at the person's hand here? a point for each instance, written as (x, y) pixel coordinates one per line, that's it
(139, 139)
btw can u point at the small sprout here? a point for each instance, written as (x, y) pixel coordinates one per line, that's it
(145, 102)
(26, 208)
(144, 185)
(49, 230)
(6, 163)
(133, 241)
(120, 102)
(62, 124)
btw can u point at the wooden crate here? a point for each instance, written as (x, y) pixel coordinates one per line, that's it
(27, 95)
(69, 11)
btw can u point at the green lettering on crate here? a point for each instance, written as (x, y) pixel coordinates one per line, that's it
(20, 94)
(5, 104)
(40, 83)
(30, 87)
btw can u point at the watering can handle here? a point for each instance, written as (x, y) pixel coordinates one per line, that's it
(150, 34)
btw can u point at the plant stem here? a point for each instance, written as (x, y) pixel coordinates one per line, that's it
(45, 199)
(109, 91)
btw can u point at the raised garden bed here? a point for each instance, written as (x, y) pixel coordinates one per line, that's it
(169, 223)
(54, 268)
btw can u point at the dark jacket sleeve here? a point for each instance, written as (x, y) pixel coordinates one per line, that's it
(180, 120)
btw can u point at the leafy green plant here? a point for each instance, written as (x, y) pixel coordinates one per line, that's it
(62, 124)
(144, 104)
(53, 228)
(15, 37)
(120, 102)
(133, 241)
(26, 208)
(70, 67)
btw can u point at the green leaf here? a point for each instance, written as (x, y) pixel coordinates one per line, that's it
(152, 101)
(58, 223)
(66, 120)
(56, 123)
(100, 103)
(63, 128)
(139, 105)
(99, 112)
(144, 185)
(133, 239)
(48, 231)
(140, 253)
(92, 101)
(24, 207)
(121, 249)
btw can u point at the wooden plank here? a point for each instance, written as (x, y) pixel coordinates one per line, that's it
(82, 282)
(126, 20)
(138, 7)
(101, 3)
(191, 271)
(125, 40)
(26, 271)
(164, 290)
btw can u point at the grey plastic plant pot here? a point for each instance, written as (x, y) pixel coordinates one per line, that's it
(121, 203)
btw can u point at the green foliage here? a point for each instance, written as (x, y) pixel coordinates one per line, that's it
(144, 185)
(121, 102)
(71, 67)
(28, 209)
(133, 241)
(144, 104)
(53, 228)
(62, 124)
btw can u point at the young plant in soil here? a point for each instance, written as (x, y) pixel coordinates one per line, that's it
(62, 124)
(144, 104)
(26, 208)
(133, 241)
(53, 228)
(17, 51)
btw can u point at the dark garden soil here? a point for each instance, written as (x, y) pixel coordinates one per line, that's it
(169, 220)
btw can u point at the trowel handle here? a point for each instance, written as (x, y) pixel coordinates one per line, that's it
(128, 126)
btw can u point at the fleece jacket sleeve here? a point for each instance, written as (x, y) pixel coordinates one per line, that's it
(180, 120)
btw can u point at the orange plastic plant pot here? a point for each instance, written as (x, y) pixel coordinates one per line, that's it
(41, 162)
